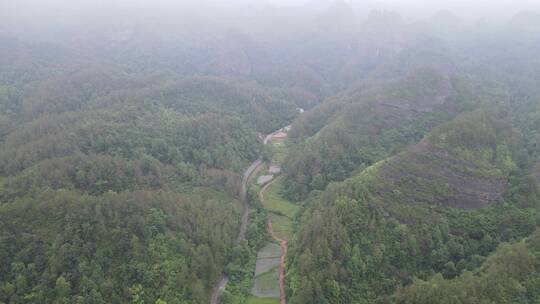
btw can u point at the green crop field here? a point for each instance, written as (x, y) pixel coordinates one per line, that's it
(279, 152)
(255, 300)
(274, 201)
(283, 226)
(266, 284)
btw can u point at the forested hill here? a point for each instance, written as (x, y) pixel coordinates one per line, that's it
(119, 185)
(439, 207)
(509, 274)
(437, 185)
(365, 125)
(413, 154)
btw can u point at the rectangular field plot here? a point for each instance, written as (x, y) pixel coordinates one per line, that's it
(255, 300)
(266, 285)
(274, 202)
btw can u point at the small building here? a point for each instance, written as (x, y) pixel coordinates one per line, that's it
(263, 179)
(281, 135)
(274, 169)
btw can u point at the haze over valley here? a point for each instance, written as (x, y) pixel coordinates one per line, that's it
(264, 152)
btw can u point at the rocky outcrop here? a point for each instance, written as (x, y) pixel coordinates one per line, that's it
(427, 174)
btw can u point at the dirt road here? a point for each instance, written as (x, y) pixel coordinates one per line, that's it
(243, 226)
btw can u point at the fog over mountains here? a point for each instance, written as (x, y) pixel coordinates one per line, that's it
(26, 14)
(269, 151)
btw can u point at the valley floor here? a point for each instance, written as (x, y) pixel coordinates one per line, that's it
(269, 278)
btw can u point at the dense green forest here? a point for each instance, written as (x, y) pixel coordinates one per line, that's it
(432, 207)
(510, 275)
(120, 186)
(415, 214)
(67, 247)
(413, 153)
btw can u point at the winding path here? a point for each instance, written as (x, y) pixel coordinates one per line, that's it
(243, 198)
(243, 226)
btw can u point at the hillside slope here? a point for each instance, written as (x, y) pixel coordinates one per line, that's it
(510, 274)
(436, 207)
(119, 186)
(366, 125)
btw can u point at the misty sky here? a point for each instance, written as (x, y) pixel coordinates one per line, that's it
(483, 9)
(26, 12)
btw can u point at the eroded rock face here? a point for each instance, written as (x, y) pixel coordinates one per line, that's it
(422, 102)
(435, 176)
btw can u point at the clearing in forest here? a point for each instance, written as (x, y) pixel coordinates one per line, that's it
(269, 279)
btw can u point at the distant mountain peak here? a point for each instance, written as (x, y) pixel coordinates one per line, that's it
(339, 16)
(526, 20)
